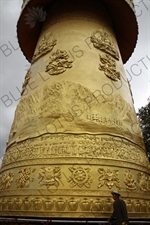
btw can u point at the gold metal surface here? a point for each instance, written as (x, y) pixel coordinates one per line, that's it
(75, 135)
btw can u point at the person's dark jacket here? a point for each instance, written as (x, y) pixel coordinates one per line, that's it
(120, 212)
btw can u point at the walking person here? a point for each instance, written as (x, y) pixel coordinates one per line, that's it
(119, 214)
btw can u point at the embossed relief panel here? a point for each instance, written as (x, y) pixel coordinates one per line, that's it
(44, 114)
(53, 179)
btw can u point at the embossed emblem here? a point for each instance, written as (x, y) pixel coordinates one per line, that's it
(24, 177)
(58, 63)
(80, 177)
(49, 176)
(143, 181)
(6, 180)
(108, 65)
(108, 177)
(129, 180)
(101, 41)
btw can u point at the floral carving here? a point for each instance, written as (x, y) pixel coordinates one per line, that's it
(49, 176)
(80, 177)
(6, 180)
(24, 177)
(109, 178)
(101, 41)
(45, 45)
(108, 65)
(58, 63)
(129, 181)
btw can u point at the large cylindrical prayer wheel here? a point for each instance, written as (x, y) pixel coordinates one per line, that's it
(75, 135)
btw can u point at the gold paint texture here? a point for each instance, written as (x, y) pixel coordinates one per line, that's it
(75, 135)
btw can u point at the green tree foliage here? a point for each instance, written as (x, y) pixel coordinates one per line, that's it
(144, 118)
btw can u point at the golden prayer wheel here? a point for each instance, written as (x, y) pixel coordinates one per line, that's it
(75, 135)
